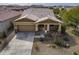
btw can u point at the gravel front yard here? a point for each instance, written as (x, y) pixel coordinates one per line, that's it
(44, 48)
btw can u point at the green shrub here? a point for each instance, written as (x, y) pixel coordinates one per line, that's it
(63, 28)
(72, 25)
(59, 42)
(56, 10)
(66, 39)
(62, 43)
(2, 35)
(53, 46)
(75, 53)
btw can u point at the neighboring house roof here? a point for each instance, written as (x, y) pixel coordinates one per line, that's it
(6, 14)
(39, 14)
(31, 17)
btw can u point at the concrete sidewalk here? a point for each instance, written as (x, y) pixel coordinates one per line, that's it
(21, 44)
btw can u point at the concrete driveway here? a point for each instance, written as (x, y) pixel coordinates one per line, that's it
(21, 44)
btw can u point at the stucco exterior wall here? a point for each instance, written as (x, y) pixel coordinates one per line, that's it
(4, 25)
(24, 23)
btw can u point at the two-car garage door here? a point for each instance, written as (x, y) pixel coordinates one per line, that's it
(26, 28)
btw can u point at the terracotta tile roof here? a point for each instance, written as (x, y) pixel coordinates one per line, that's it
(6, 14)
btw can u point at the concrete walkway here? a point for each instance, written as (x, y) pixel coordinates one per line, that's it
(21, 44)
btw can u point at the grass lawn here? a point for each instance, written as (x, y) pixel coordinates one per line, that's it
(49, 48)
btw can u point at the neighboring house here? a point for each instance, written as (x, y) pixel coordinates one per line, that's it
(6, 18)
(37, 19)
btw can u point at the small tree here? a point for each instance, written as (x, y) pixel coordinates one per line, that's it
(62, 12)
(56, 10)
(71, 17)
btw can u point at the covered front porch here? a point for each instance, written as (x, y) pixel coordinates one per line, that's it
(48, 27)
(48, 24)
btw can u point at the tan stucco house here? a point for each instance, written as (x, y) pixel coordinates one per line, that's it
(37, 19)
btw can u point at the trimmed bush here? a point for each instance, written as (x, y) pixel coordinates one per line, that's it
(62, 43)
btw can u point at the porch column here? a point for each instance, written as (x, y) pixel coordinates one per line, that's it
(36, 27)
(47, 27)
(59, 28)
